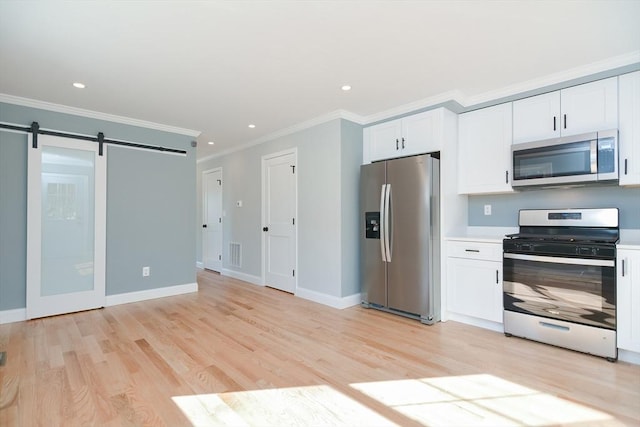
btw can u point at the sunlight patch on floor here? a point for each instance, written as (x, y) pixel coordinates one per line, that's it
(301, 406)
(479, 400)
(466, 400)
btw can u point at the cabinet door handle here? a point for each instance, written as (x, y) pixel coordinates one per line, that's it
(472, 250)
(623, 272)
(497, 281)
(403, 143)
(397, 147)
(625, 166)
(506, 177)
(554, 123)
(565, 121)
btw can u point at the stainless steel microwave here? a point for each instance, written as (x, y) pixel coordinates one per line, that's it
(576, 159)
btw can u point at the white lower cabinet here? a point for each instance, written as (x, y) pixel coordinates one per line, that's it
(628, 300)
(474, 280)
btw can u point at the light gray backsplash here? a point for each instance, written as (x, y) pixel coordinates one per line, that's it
(505, 207)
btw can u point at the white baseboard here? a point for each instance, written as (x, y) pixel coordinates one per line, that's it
(200, 265)
(242, 276)
(629, 356)
(12, 316)
(330, 300)
(473, 321)
(20, 314)
(168, 291)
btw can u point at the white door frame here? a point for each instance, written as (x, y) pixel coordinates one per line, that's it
(204, 212)
(41, 306)
(263, 217)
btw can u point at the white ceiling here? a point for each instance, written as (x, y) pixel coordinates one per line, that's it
(217, 66)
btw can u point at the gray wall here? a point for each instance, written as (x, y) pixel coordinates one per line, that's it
(150, 205)
(505, 206)
(329, 157)
(351, 135)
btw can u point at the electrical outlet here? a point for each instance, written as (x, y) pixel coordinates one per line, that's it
(146, 271)
(487, 209)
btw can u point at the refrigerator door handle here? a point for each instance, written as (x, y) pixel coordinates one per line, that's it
(383, 193)
(387, 214)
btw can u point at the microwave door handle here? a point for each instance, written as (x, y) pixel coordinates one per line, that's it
(594, 156)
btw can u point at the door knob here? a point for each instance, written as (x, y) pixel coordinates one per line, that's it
(265, 228)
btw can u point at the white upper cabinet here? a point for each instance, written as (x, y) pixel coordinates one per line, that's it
(536, 118)
(629, 129)
(415, 134)
(384, 140)
(579, 109)
(590, 107)
(484, 150)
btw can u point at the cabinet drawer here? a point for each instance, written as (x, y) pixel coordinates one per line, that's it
(475, 250)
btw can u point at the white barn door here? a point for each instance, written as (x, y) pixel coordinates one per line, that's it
(66, 226)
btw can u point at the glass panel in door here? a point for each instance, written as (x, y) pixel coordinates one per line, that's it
(66, 227)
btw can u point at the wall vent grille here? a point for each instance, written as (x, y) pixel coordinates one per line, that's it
(235, 254)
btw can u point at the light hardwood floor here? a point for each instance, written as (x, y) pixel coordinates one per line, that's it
(239, 354)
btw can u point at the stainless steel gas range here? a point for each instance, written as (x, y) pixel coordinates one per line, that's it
(560, 279)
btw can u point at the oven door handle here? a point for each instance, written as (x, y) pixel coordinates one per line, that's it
(561, 260)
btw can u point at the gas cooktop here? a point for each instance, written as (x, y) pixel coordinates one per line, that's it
(568, 225)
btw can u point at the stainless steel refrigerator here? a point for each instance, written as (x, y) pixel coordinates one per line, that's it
(400, 236)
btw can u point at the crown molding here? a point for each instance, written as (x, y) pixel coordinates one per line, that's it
(412, 107)
(337, 114)
(628, 59)
(58, 108)
(565, 76)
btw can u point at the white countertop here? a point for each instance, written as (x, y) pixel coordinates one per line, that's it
(629, 239)
(482, 234)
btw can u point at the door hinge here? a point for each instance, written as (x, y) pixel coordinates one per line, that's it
(293, 221)
(219, 257)
(294, 273)
(293, 168)
(219, 182)
(220, 220)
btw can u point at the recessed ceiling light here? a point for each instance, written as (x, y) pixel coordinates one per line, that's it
(210, 142)
(79, 85)
(252, 126)
(346, 88)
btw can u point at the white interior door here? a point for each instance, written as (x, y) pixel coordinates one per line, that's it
(279, 216)
(66, 226)
(212, 225)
